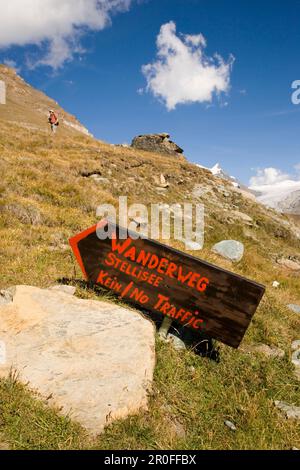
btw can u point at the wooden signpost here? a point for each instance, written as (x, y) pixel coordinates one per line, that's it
(162, 280)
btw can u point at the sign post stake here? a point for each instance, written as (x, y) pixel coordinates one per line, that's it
(165, 326)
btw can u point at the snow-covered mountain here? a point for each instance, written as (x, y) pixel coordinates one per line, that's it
(283, 196)
(218, 171)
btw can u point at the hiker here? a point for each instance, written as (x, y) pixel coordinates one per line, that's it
(53, 120)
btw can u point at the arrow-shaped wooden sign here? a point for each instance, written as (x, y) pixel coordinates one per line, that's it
(165, 281)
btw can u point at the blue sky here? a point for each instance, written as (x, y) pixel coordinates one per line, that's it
(253, 125)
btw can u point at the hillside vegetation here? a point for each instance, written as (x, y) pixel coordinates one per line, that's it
(45, 200)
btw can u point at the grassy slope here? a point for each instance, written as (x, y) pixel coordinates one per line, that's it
(44, 201)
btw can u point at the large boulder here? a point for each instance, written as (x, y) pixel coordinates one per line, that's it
(230, 249)
(95, 359)
(157, 143)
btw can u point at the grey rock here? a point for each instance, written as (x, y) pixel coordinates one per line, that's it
(157, 143)
(296, 358)
(230, 249)
(230, 425)
(290, 411)
(176, 342)
(95, 359)
(192, 246)
(294, 307)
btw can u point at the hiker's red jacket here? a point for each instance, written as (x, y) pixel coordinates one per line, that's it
(52, 118)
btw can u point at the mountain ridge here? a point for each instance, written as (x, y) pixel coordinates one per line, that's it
(30, 107)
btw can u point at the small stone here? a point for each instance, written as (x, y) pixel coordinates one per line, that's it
(296, 358)
(276, 284)
(230, 425)
(162, 190)
(64, 288)
(176, 342)
(230, 249)
(290, 411)
(192, 246)
(294, 307)
(162, 180)
(295, 345)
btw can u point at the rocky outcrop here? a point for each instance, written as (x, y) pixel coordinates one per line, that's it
(95, 360)
(157, 143)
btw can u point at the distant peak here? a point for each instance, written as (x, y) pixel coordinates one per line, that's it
(217, 169)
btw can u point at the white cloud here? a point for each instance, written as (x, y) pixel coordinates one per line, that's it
(54, 24)
(268, 176)
(182, 73)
